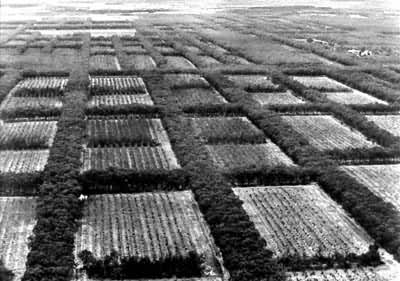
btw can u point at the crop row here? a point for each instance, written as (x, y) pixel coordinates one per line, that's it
(128, 85)
(125, 130)
(34, 86)
(27, 135)
(23, 161)
(139, 158)
(104, 62)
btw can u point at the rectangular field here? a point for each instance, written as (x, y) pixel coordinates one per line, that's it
(11, 104)
(207, 61)
(25, 135)
(121, 85)
(336, 91)
(17, 220)
(259, 82)
(119, 100)
(390, 123)
(302, 221)
(136, 49)
(137, 158)
(23, 161)
(103, 62)
(244, 156)
(125, 130)
(198, 96)
(140, 62)
(227, 130)
(178, 62)
(382, 180)
(186, 80)
(40, 86)
(324, 132)
(276, 98)
(146, 225)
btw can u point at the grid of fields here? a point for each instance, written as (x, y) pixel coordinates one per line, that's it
(325, 132)
(191, 142)
(302, 220)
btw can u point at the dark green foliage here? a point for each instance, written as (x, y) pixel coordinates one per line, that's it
(29, 112)
(114, 267)
(124, 180)
(12, 184)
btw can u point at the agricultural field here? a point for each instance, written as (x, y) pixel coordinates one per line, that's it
(23, 161)
(125, 130)
(179, 63)
(121, 85)
(227, 130)
(198, 96)
(25, 135)
(137, 158)
(140, 62)
(276, 98)
(336, 91)
(117, 100)
(147, 225)
(16, 224)
(258, 82)
(245, 156)
(324, 132)
(303, 221)
(180, 140)
(382, 180)
(184, 80)
(390, 123)
(103, 62)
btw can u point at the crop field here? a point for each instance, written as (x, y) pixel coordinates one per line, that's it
(101, 49)
(146, 225)
(322, 83)
(207, 61)
(198, 96)
(186, 80)
(382, 180)
(125, 130)
(116, 100)
(138, 158)
(140, 62)
(353, 97)
(227, 130)
(121, 85)
(390, 123)
(39, 86)
(136, 49)
(179, 63)
(302, 220)
(164, 49)
(324, 132)
(104, 62)
(25, 135)
(242, 156)
(253, 82)
(273, 98)
(23, 104)
(16, 224)
(23, 161)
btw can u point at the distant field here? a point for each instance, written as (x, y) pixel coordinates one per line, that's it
(274, 98)
(382, 180)
(390, 123)
(324, 132)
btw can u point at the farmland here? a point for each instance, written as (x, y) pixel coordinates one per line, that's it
(158, 227)
(313, 224)
(325, 132)
(208, 141)
(382, 180)
(16, 224)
